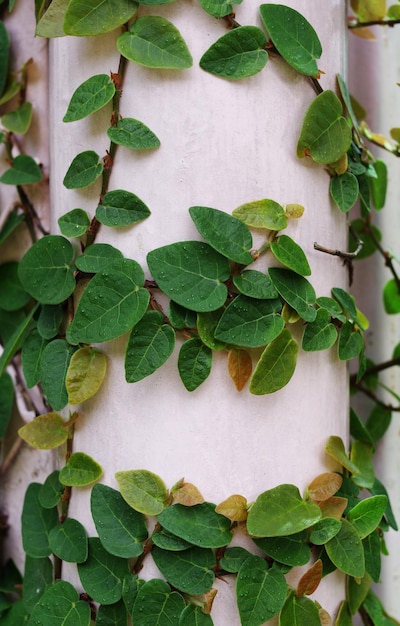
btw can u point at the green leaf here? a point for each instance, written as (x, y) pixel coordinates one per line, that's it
(90, 96)
(51, 491)
(50, 23)
(299, 612)
(46, 271)
(14, 342)
(345, 550)
(378, 422)
(320, 334)
(200, 525)
(293, 550)
(357, 591)
(80, 470)
(102, 573)
(167, 541)
(36, 523)
(276, 365)
(11, 223)
(190, 571)
(13, 87)
(194, 363)
(368, 234)
(95, 17)
(121, 208)
(45, 432)
(150, 344)
(12, 294)
(18, 121)
(391, 297)
(233, 559)
(156, 604)
(121, 529)
(324, 530)
(260, 591)
(206, 325)
(4, 56)
(293, 37)
(38, 575)
(31, 355)
(372, 553)
(133, 134)
(97, 257)
(154, 42)
(379, 489)
(85, 374)
(290, 254)
(250, 322)
(226, 234)
(23, 171)
(347, 302)
(111, 304)
(68, 541)
(255, 284)
(325, 134)
(344, 191)
(281, 511)
(332, 306)
(74, 223)
(54, 365)
(112, 614)
(180, 317)
(351, 342)
(85, 168)
(237, 54)
(361, 455)
(262, 214)
(60, 606)
(191, 273)
(49, 320)
(17, 615)
(6, 401)
(219, 8)
(193, 616)
(296, 290)
(367, 514)
(143, 491)
(130, 587)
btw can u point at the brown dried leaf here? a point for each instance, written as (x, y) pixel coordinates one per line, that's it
(325, 618)
(333, 507)
(309, 582)
(187, 494)
(209, 599)
(239, 367)
(324, 486)
(294, 210)
(364, 33)
(234, 508)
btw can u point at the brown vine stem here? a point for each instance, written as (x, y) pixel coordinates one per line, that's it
(385, 254)
(375, 369)
(372, 396)
(354, 23)
(65, 499)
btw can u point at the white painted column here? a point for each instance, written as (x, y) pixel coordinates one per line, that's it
(222, 144)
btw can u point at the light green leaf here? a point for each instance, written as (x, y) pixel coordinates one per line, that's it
(299, 612)
(45, 432)
(13, 87)
(102, 573)
(296, 290)
(206, 325)
(69, 541)
(18, 121)
(193, 616)
(293, 37)
(150, 344)
(121, 208)
(219, 8)
(24, 171)
(143, 491)
(90, 96)
(83, 171)
(276, 365)
(237, 54)
(190, 571)
(320, 334)
(12, 294)
(85, 374)
(194, 363)
(292, 550)
(6, 401)
(121, 529)
(290, 254)
(200, 525)
(154, 42)
(325, 134)
(95, 17)
(80, 470)
(255, 284)
(31, 354)
(361, 455)
(133, 134)
(345, 550)
(74, 223)
(262, 214)
(367, 514)
(156, 604)
(191, 273)
(226, 234)
(54, 365)
(391, 297)
(60, 606)
(97, 257)
(335, 447)
(36, 523)
(344, 191)
(249, 322)
(50, 23)
(260, 591)
(281, 511)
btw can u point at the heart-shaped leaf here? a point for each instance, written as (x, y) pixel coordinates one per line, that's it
(61, 599)
(150, 344)
(85, 374)
(121, 208)
(260, 591)
(89, 97)
(276, 365)
(45, 431)
(80, 470)
(142, 490)
(24, 171)
(83, 171)
(194, 363)
(133, 134)
(95, 17)
(249, 322)
(237, 54)
(262, 214)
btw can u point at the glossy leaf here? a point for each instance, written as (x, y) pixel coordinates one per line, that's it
(344, 191)
(36, 523)
(6, 401)
(199, 524)
(45, 432)
(97, 257)
(18, 121)
(111, 304)
(85, 374)
(32, 349)
(180, 317)
(150, 344)
(237, 54)
(80, 470)
(190, 571)
(54, 365)
(320, 334)
(292, 550)
(90, 96)
(49, 320)
(51, 491)
(264, 213)
(95, 17)
(260, 591)
(249, 322)
(74, 223)
(219, 8)
(38, 575)
(299, 612)
(143, 491)
(133, 134)
(281, 511)
(325, 134)
(335, 447)
(112, 614)
(60, 606)
(293, 37)
(324, 530)
(276, 365)
(69, 541)
(121, 208)
(240, 366)
(194, 363)
(23, 171)
(194, 616)
(85, 168)
(296, 290)
(345, 550)
(290, 254)
(121, 529)
(255, 284)
(102, 573)
(155, 42)
(46, 271)
(226, 234)
(156, 604)
(191, 273)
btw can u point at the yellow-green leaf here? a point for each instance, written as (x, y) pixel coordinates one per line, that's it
(45, 431)
(85, 374)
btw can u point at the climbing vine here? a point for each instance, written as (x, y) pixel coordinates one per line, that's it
(219, 298)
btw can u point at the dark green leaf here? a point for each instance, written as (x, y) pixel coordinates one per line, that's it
(89, 97)
(6, 401)
(372, 553)
(69, 541)
(237, 54)
(333, 307)
(180, 317)
(391, 297)
(320, 334)
(299, 612)
(344, 191)
(49, 320)
(255, 284)
(60, 606)
(378, 185)
(32, 349)
(97, 257)
(364, 192)
(150, 344)
(154, 42)
(112, 615)
(130, 587)
(190, 571)
(264, 213)
(296, 290)
(156, 604)
(276, 365)
(233, 559)
(121, 208)
(250, 322)
(51, 491)
(260, 591)
(74, 223)
(350, 342)
(18, 121)
(198, 524)
(290, 254)
(193, 616)
(293, 37)
(368, 234)
(346, 551)
(11, 223)
(219, 8)
(17, 615)
(358, 429)
(378, 421)
(347, 302)
(38, 575)
(54, 365)
(14, 342)
(95, 17)
(12, 295)
(24, 171)
(194, 363)
(10, 577)
(102, 574)
(324, 530)
(167, 541)
(83, 171)
(4, 56)
(206, 325)
(293, 550)
(133, 134)
(36, 523)
(357, 591)
(80, 470)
